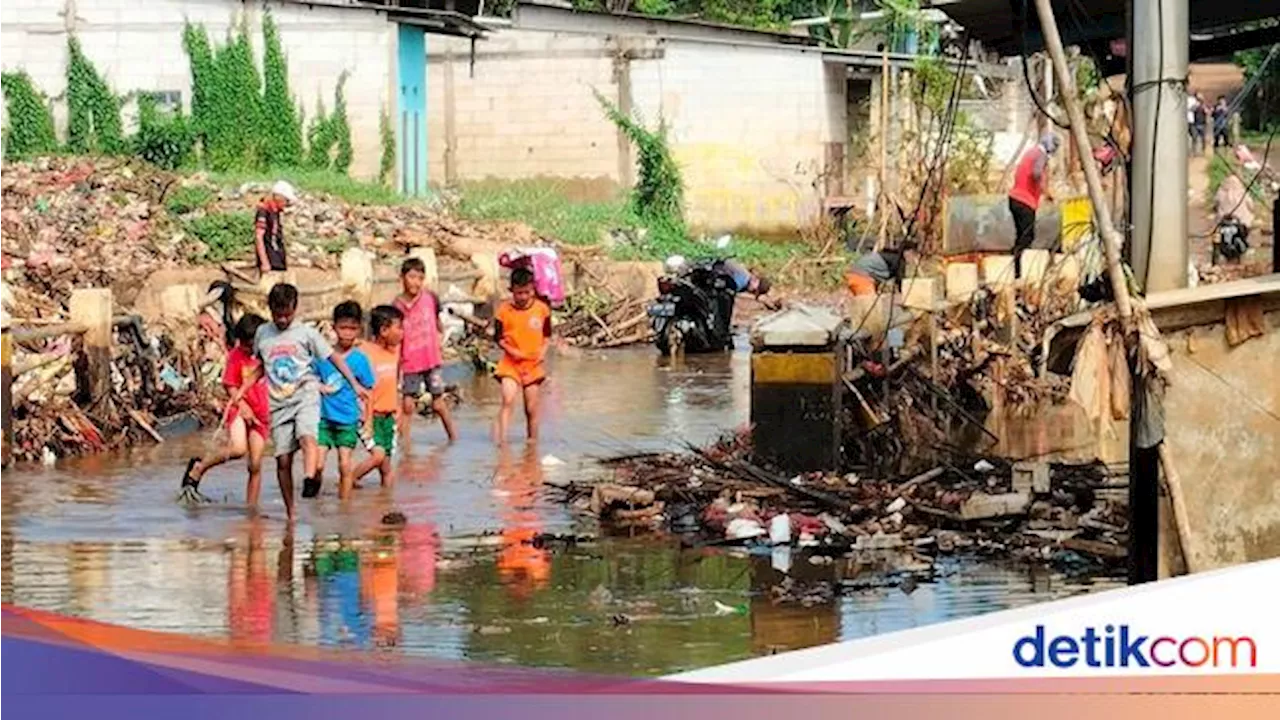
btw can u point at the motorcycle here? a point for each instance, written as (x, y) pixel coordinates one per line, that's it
(1232, 240)
(694, 309)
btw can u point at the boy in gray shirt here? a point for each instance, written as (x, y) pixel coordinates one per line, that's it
(289, 352)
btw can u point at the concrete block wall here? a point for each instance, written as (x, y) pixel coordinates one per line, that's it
(141, 49)
(525, 110)
(749, 127)
(748, 124)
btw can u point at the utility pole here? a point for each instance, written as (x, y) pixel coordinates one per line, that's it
(1159, 200)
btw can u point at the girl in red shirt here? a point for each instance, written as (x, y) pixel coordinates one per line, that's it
(246, 421)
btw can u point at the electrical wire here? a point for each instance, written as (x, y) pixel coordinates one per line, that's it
(1026, 72)
(1266, 152)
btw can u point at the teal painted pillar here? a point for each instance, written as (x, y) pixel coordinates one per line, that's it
(411, 135)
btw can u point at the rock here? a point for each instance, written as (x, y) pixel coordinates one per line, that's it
(980, 505)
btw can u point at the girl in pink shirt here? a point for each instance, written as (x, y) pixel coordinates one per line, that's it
(421, 355)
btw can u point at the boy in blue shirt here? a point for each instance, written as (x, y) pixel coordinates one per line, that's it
(341, 413)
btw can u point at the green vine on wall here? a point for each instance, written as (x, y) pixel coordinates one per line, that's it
(658, 196)
(30, 130)
(340, 128)
(94, 111)
(329, 134)
(165, 139)
(387, 138)
(282, 119)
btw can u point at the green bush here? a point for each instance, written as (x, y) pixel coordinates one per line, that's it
(225, 235)
(320, 139)
(165, 139)
(188, 198)
(658, 196)
(30, 129)
(387, 136)
(340, 129)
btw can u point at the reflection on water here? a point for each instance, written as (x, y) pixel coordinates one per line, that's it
(102, 538)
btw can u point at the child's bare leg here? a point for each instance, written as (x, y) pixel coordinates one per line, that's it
(532, 412)
(387, 472)
(257, 446)
(408, 408)
(510, 389)
(440, 406)
(371, 463)
(235, 449)
(346, 480)
(310, 456)
(284, 473)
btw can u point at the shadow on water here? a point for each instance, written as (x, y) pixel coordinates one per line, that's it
(102, 538)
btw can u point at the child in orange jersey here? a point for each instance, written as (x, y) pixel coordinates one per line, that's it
(383, 408)
(523, 331)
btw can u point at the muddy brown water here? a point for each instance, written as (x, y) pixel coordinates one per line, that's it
(102, 538)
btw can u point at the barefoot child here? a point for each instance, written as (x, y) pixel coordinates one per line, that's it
(340, 410)
(289, 351)
(246, 419)
(420, 354)
(385, 325)
(522, 330)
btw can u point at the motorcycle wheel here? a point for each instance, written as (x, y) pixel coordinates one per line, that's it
(668, 339)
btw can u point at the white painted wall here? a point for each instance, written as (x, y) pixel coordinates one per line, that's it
(138, 46)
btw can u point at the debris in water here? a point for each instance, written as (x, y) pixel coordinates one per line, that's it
(723, 609)
(551, 461)
(394, 518)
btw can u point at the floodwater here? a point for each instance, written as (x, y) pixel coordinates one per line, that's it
(102, 538)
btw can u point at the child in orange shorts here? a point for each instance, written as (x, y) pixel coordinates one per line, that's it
(523, 331)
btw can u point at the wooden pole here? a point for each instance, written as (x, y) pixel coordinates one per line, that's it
(6, 389)
(92, 308)
(1111, 239)
(884, 147)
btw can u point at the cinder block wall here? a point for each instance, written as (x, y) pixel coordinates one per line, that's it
(138, 46)
(748, 124)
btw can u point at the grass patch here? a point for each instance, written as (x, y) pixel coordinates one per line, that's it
(319, 182)
(1219, 168)
(225, 235)
(189, 198)
(548, 207)
(544, 205)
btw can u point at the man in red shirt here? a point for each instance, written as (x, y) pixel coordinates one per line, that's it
(1030, 182)
(269, 231)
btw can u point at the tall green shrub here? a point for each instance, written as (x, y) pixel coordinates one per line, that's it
(658, 197)
(238, 140)
(164, 139)
(320, 139)
(30, 129)
(195, 41)
(387, 136)
(281, 117)
(94, 111)
(340, 129)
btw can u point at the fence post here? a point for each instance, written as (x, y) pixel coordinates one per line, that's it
(92, 308)
(6, 358)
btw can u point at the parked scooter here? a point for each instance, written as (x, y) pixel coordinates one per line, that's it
(694, 309)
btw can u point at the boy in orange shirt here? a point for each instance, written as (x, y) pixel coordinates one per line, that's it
(522, 329)
(382, 410)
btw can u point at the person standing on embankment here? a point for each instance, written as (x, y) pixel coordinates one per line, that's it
(268, 229)
(1030, 183)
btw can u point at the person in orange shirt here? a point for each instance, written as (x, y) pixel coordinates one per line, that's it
(523, 331)
(382, 410)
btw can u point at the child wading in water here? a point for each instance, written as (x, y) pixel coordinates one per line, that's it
(384, 400)
(341, 414)
(246, 418)
(420, 354)
(289, 353)
(523, 331)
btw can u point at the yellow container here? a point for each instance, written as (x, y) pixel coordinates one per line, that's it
(1077, 221)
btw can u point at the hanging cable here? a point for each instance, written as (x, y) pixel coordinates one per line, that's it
(1026, 71)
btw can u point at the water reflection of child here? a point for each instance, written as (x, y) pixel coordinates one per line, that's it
(380, 588)
(250, 590)
(342, 619)
(522, 567)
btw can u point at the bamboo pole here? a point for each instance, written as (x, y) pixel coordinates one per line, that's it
(1111, 239)
(884, 147)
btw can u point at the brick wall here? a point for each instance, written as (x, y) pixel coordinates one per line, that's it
(141, 49)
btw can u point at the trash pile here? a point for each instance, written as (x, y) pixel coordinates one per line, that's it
(71, 223)
(1071, 516)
